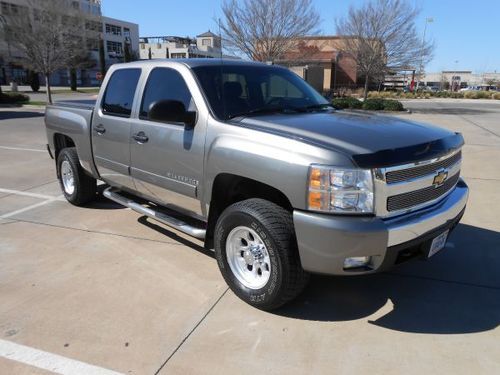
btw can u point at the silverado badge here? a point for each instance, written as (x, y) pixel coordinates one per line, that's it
(440, 178)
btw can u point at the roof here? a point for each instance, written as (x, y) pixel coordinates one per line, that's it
(192, 63)
(207, 34)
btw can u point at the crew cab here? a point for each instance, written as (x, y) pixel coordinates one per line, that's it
(253, 161)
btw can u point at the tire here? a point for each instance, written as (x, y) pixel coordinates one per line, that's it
(276, 276)
(83, 188)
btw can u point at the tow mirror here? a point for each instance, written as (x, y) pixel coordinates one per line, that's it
(172, 111)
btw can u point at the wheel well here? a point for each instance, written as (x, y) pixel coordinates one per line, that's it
(61, 141)
(228, 189)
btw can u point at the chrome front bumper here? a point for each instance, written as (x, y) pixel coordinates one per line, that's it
(325, 241)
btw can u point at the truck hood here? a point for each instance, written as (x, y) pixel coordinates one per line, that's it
(371, 140)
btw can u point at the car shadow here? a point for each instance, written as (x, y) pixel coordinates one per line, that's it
(6, 115)
(456, 292)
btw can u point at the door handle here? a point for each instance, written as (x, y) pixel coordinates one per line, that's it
(140, 137)
(100, 129)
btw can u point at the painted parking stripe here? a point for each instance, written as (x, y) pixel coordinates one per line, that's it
(26, 194)
(49, 361)
(22, 149)
(33, 206)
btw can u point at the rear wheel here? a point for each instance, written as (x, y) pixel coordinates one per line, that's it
(77, 186)
(256, 251)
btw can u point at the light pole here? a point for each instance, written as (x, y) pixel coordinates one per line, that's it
(421, 67)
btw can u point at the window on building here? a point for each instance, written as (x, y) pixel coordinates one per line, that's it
(9, 9)
(113, 29)
(165, 84)
(178, 55)
(126, 32)
(206, 42)
(93, 44)
(120, 92)
(114, 47)
(143, 46)
(93, 26)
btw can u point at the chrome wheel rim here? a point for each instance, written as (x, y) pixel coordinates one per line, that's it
(67, 177)
(248, 257)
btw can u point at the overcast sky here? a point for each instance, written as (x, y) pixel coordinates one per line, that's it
(466, 32)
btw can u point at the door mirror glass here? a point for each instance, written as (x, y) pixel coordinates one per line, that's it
(172, 111)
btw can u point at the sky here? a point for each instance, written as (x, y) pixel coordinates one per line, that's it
(465, 32)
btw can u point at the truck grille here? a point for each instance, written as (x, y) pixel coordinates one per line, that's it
(419, 171)
(418, 197)
(402, 189)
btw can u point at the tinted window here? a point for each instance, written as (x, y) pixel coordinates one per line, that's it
(165, 84)
(120, 92)
(234, 90)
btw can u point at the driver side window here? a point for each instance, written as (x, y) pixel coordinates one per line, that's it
(165, 84)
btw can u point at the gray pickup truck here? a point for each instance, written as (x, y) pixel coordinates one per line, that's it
(253, 161)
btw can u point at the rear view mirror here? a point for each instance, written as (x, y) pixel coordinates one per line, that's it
(172, 111)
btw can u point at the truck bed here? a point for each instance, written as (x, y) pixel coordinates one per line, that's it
(81, 103)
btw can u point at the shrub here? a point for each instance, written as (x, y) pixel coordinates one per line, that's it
(393, 105)
(373, 104)
(496, 96)
(13, 98)
(34, 81)
(348, 102)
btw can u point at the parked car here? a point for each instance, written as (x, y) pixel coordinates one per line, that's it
(253, 161)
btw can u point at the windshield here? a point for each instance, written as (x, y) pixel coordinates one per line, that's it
(242, 90)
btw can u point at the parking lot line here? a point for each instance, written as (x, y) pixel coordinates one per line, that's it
(33, 206)
(22, 149)
(26, 193)
(49, 361)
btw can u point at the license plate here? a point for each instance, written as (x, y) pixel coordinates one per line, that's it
(438, 243)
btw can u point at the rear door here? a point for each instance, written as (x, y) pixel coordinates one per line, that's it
(168, 166)
(111, 127)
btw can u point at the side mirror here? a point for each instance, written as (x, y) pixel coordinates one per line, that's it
(172, 111)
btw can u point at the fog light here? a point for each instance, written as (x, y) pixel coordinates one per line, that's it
(356, 262)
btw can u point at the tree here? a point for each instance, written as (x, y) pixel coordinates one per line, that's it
(382, 34)
(50, 38)
(264, 30)
(33, 81)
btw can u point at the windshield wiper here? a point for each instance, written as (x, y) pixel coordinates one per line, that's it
(263, 110)
(314, 106)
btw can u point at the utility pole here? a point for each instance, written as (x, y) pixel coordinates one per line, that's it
(421, 67)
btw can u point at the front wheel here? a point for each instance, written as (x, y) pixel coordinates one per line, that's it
(256, 251)
(77, 186)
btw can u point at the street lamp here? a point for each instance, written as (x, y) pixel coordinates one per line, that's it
(421, 67)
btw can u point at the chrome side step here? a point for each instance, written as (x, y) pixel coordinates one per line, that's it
(181, 226)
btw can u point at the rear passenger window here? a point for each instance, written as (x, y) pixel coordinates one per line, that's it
(120, 92)
(165, 84)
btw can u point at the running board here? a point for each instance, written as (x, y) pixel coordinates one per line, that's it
(181, 226)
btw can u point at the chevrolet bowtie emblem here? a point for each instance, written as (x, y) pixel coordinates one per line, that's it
(440, 178)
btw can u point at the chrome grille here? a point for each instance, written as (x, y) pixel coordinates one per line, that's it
(417, 197)
(409, 187)
(419, 171)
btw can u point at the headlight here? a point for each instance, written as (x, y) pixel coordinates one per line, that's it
(340, 190)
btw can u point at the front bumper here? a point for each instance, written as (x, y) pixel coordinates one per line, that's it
(325, 241)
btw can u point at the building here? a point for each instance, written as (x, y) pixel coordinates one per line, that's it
(456, 79)
(119, 38)
(206, 45)
(318, 60)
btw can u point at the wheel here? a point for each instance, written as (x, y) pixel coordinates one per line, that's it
(256, 251)
(77, 186)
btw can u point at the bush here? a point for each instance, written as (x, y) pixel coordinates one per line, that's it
(393, 105)
(373, 104)
(348, 102)
(496, 96)
(13, 98)
(34, 81)
(478, 94)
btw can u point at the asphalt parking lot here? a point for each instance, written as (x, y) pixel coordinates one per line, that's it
(101, 289)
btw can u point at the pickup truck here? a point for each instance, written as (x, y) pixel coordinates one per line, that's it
(250, 159)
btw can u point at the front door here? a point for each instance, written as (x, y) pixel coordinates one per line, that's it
(111, 127)
(166, 158)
